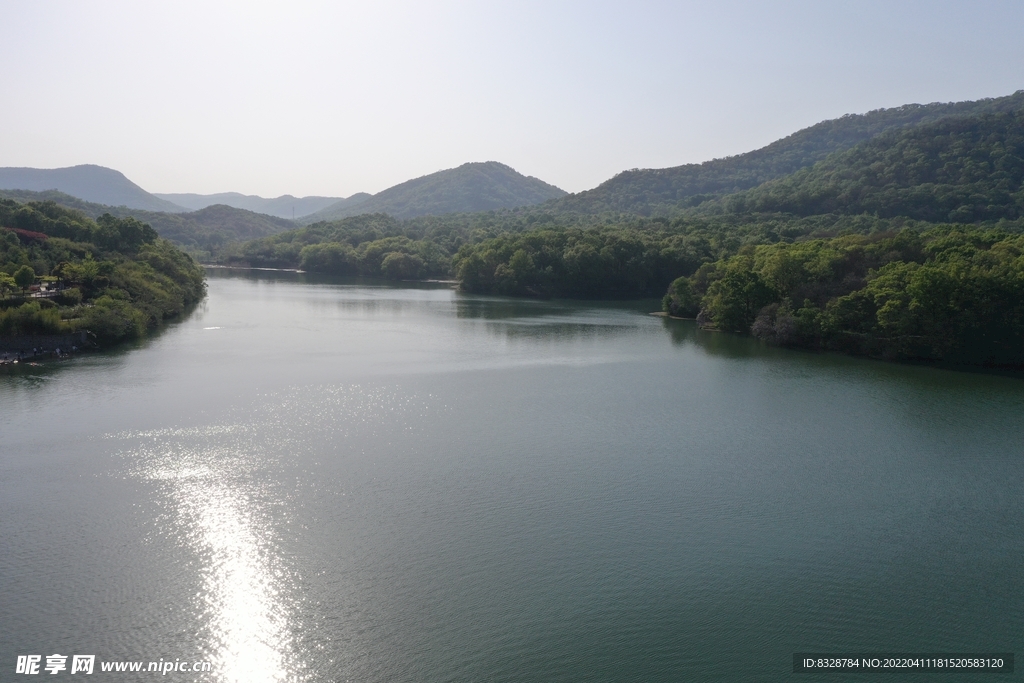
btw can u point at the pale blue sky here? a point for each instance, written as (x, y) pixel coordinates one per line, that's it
(334, 98)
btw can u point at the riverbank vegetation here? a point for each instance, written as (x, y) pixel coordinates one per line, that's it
(949, 293)
(113, 278)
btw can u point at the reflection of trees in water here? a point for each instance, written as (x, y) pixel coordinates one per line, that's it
(506, 309)
(553, 331)
(25, 377)
(719, 344)
(498, 308)
(371, 306)
(291, 276)
(537, 320)
(918, 393)
(357, 295)
(737, 346)
(686, 332)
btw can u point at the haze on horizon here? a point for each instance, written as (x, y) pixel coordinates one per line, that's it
(323, 98)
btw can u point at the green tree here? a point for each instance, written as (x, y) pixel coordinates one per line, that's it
(329, 257)
(123, 234)
(61, 272)
(682, 299)
(733, 302)
(399, 266)
(24, 277)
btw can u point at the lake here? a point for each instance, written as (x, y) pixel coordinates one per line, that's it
(316, 480)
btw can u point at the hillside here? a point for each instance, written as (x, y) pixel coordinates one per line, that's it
(938, 277)
(90, 209)
(111, 279)
(471, 187)
(958, 169)
(200, 232)
(209, 229)
(285, 206)
(88, 182)
(663, 192)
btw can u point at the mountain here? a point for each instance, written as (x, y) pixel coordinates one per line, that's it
(285, 206)
(89, 182)
(959, 169)
(662, 192)
(200, 231)
(471, 187)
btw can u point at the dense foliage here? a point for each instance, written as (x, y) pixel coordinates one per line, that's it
(629, 257)
(361, 244)
(115, 277)
(563, 255)
(374, 245)
(947, 293)
(925, 289)
(601, 262)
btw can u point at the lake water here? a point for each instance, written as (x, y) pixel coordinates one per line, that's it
(317, 481)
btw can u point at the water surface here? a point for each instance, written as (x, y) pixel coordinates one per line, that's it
(326, 481)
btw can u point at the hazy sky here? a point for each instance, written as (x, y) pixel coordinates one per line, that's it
(333, 98)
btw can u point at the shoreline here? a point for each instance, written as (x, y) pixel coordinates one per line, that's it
(663, 314)
(276, 270)
(37, 360)
(30, 349)
(432, 281)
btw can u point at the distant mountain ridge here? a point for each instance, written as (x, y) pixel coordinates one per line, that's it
(471, 187)
(665, 191)
(847, 166)
(89, 182)
(285, 206)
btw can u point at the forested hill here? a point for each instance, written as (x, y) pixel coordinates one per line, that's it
(199, 232)
(664, 192)
(471, 187)
(938, 276)
(958, 169)
(88, 182)
(207, 230)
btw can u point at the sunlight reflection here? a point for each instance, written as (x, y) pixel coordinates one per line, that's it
(241, 591)
(226, 501)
